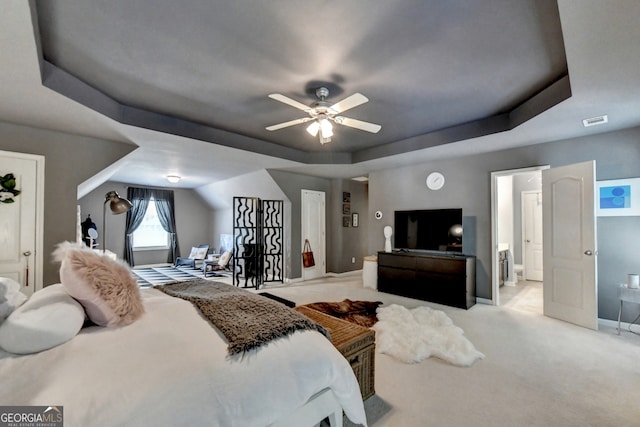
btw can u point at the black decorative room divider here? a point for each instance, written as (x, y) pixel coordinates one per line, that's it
(258, 249)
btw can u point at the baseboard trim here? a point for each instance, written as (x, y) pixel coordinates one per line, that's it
(346, 273)
(624, 326)
(330, 274)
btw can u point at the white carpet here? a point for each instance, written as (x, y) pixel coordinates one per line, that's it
(413, 335)
(538, 371)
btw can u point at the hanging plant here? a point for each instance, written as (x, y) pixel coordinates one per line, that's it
(8, 188)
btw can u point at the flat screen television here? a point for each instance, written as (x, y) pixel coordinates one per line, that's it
(429, 230)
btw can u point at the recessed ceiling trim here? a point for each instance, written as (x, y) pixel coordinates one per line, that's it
(540, 102)
(72, 87)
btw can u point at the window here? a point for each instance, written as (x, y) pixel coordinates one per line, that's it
(150, 234)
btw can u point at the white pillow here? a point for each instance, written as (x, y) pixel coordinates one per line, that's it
(10, 297)
(193, 253)
(49, 318)
(201, 253)
(224, 259)
(198, 253)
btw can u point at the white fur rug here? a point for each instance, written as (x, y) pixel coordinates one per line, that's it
(413, 335)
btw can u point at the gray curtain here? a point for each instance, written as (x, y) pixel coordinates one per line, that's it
(167, 217)
(139, 198)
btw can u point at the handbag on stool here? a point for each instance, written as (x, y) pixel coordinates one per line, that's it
(307, 255)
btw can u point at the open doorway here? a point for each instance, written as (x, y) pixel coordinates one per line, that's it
(517, 238)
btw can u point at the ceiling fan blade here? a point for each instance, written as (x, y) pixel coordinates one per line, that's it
(289, 101)
(289, 123)
(358, 124)
(348, 103)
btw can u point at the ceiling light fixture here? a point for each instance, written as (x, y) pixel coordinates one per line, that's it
(173, 178)
(322, 127)
(313, 128)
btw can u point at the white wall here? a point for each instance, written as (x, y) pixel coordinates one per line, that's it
(505, 211)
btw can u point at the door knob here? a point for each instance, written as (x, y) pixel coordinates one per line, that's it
(588, 252)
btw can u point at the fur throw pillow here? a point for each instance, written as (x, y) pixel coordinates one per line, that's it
(105, 287)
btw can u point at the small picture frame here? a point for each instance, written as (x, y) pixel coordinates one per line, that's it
(346, 209)
(355, 219)
(346, 197)
(346, 220)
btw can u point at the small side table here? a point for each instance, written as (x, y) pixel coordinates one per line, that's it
(629, 295)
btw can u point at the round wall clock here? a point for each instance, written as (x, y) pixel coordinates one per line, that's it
(378, 214)
(435, 181)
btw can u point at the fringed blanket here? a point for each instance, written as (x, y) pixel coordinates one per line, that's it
(246, 320)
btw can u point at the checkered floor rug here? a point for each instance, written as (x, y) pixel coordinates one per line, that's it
(152, 276)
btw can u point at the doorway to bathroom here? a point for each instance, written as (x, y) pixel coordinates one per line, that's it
(517, 238)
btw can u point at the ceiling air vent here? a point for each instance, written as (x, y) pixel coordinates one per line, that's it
(594, 121)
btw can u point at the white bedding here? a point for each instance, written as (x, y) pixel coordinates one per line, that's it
(171, 368)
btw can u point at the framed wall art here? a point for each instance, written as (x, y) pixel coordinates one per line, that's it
(618, 197)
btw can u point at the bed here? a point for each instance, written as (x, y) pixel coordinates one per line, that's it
(172, 367)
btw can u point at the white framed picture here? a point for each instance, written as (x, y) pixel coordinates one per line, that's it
(618, 197)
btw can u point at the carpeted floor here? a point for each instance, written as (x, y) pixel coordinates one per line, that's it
(538, 371)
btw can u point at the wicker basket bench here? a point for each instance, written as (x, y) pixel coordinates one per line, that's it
(356, 343)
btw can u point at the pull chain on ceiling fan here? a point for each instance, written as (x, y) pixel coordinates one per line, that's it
(321, 114)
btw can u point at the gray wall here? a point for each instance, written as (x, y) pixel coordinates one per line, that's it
(255, 184)
(192, 222)
(468, 186)
(343, 243)
(69, 161)
(347, 243)
(292, 185)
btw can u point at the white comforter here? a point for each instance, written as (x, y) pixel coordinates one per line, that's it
(171, 368)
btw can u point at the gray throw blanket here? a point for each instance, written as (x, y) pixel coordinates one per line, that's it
(245, 319)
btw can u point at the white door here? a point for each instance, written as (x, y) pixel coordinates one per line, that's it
(21, 220)
(568, 206)
(313, 229)
(532, 213)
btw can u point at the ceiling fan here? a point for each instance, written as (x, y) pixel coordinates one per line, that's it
(322, 113)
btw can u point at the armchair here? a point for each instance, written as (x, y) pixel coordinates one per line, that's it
(198, 253)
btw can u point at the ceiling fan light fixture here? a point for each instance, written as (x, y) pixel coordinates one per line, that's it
(313, 128)
(324, 140)
(321, 114)
(326, 128)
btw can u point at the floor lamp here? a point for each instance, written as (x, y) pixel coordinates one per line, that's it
(118, 205)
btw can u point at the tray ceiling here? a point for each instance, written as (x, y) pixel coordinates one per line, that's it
(435, 72)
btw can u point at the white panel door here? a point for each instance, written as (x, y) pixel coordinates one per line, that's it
(533, 242)
(19, 229)
(313, 229)
(568, 206)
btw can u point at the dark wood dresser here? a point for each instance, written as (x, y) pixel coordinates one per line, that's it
(441, 278)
